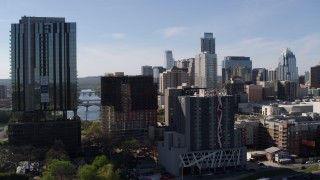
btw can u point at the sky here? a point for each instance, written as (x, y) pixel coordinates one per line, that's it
(123, 35)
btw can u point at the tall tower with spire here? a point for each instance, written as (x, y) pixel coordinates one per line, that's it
(287, 68)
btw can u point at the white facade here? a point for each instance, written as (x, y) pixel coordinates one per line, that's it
(270, 110)
(174, 156)
(206, 70)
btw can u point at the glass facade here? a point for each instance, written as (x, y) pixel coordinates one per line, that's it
(169, 61)
(236, 66)
(287, 68)
(208, 43)
(43, 67)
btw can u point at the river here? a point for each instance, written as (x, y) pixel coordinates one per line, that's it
(92, 114)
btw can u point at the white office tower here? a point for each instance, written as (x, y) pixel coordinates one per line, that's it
(169, 61)
(206, 70)
(287, 68)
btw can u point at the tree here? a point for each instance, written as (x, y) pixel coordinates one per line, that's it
(130, 145)
(58, 169)
(56, 152)
(100, 161)
(87, 172)
(101, 168)
(107, 172)
(94, 134)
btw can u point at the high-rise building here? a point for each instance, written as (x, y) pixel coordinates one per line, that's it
(128, 105)
(287, 69)
(156, 73)
(237, 66)
(286, 90)
(146, 70)
(204, 131)
(301, 79)
(172, 104)
(191, 71)
(306, 76)
(184, 63)
(254, 92)
(44, 82)
(208, 43)
(172, 78)
(259, 74)
(169, 61)
(3, 92)
(272, 75)
(315, 76)
(205, 70)
(267, 90)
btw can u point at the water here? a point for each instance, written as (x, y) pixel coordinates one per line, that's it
(92, 114)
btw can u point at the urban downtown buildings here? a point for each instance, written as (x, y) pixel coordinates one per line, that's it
(203, 134)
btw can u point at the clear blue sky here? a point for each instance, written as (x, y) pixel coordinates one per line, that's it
(123, 35)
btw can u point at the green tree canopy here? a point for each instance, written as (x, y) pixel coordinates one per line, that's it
(107, 172)
(56, 152)
(100, 161)
(58, 169)
(87, 172)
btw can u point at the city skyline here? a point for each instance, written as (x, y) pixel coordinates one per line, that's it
(123, 36)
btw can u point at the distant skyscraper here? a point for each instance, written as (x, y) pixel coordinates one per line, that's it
(315, 76)
(156, 73)
(237, 66)
(44, 81)
(172, 78)
(287, 68)
(272, 74)
(146, 70)
(306, 76)
(168, 59)
(191, 71)
(184, 63)
(208, 43)
(259, 74)
(206, 70)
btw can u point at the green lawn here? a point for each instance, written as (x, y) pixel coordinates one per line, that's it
(311, 168)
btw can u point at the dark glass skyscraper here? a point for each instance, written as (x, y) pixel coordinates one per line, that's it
(44, 83)
(208, 43)
(43, 67)
(315, 76)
